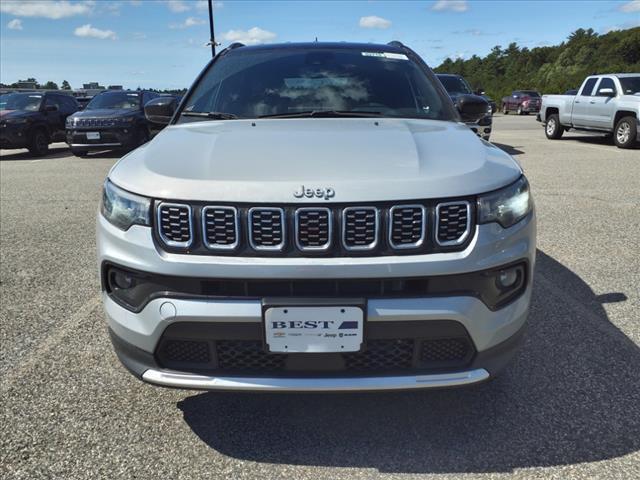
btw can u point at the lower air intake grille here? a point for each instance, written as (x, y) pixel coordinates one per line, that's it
(185, 351)
(445, 350)
(382, 355)
(247, 355)
(360, 228)
(174, 224)
(220, 227)
(453, 222)
(266, 228)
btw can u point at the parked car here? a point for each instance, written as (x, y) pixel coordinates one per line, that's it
(607, 104)
(34, 120)
(457, 87)
(112, 120)
(314, 217)
(83, 101)
(523, 102)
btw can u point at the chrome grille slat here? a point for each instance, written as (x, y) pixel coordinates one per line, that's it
(407, 226)
(174, 224)
(220, 227)
(313, 228)
(453, 222)
(267, 228)
(360, 227)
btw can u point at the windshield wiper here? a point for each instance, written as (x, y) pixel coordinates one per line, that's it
(324, 113)
(211, 115)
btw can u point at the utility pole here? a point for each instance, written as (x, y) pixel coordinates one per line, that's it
(213, 38)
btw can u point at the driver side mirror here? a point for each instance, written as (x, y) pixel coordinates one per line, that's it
(160, 110)
(606, 92)
(471, 107)
(51, 108)
(479, 91)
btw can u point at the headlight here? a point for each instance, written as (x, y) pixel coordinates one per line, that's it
(124, 209)
(506, 206)
(16, 121)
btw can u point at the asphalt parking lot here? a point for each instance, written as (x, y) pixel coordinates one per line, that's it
(568, 406)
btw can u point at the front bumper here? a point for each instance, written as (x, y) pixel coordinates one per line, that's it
(494, 334)
(13, 136)
(110, 138)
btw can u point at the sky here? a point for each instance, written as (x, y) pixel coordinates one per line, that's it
(161, 43)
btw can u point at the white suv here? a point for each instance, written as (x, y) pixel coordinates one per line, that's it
(316, 217)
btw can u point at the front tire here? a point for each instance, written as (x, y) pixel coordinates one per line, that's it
(624, 136)
(39, 143)
(553, 129)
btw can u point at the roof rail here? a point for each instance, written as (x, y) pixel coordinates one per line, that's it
(396, 43)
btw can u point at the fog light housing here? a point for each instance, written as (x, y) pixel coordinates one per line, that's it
(506, 278)
(121, 279)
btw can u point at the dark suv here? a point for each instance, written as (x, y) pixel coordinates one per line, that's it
(458, 88)
(33, 120)
(111, 120)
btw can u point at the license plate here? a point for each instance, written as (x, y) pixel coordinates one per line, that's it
(314, 329)
(93, 135)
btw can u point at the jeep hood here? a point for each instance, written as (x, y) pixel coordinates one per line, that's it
(361, 159)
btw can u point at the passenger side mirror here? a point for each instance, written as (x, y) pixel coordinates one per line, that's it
(606, 92)
(479, 91)
(160, 110)
(472, 108)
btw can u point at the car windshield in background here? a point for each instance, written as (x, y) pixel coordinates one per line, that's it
(531, 93)
(315, 82)
(630, 85)
(454, 85)
(20, 101)
(115, 101)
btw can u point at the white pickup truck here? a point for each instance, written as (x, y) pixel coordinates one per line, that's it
(604, 104)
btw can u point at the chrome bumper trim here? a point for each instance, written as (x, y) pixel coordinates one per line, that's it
(95, 145)
(338, 384)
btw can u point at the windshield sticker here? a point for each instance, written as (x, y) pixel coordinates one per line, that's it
(392, 56)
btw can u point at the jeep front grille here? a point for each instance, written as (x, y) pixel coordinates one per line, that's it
(407, 229)
(453, 221)
(175, 225)
(297, 230)
(266, 228)
(360, 228)
(313, 228)
(220, 227)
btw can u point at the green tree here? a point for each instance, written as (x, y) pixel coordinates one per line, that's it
(65, 85)
(50, 85)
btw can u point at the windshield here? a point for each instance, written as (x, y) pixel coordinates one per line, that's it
(115, 101)
(630, 85)
(530, 93)
(20, 101)
(455, 85)
(255, 83)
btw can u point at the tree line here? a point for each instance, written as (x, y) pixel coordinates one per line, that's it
(552, 69)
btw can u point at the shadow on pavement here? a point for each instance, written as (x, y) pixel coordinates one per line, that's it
(54, 153)
(508, 148)
(570, 396)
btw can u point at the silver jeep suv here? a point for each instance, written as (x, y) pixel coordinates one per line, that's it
(316, 217)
